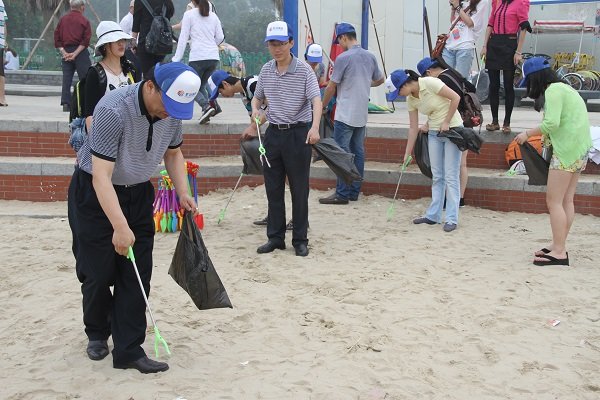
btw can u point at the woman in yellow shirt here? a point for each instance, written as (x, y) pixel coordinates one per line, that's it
(430, 96)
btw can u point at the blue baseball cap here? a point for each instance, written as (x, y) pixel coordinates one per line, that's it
(393, 84)
(425, 64)
(341, 29)
(279, 30)
(314, 53)
(179, 84)
(534, 64)
(215, 81)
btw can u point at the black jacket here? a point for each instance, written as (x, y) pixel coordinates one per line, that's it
(142, 19)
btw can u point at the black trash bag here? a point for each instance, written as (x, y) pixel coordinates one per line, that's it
(338, 160)
(193, 270)
(536, 166)
(421, 151)
(325, 131)
(463, 138)
(251, 156)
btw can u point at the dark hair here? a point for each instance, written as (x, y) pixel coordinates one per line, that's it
(412, 76)
(538, 81)
(203, 7)
(14, 53)
(149, 76)
(232, 80)
(473, 6)
(350, 35)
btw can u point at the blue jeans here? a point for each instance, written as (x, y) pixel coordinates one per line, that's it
(351, 139)
(204, 69)
(445, 168)
(460, 60)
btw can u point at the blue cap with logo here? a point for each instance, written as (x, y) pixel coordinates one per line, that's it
(314, 53)
(279, 30)
(425, 64)
(341, 29)
(393, 84)
(179, 84)
(534, 64)
(215, 80)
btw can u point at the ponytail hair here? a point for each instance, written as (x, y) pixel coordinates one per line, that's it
(412, 75)
(203, 7)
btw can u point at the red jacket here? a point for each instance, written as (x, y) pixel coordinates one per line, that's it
(73, 30)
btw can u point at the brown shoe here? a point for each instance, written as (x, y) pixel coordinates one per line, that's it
(494, 126)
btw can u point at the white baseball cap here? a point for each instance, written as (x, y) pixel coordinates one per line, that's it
(179, 84)
(279, 30)
(314, 53)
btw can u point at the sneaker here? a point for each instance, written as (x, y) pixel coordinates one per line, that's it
(261, 222)
(449, 227)
(207, 113)
(423, 220)
(462, 202)
(217, 107)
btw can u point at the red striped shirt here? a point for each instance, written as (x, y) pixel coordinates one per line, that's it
(507, 17)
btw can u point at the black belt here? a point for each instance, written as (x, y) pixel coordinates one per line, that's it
(285, 127)
(128, 186)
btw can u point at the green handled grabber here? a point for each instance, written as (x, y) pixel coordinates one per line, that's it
(261, 148)
(222, 213)
(390, 211)
(157, 338)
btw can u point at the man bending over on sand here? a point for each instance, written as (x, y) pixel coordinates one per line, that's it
(110, 205)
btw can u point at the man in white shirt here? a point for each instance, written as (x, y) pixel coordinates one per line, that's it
(127, 21)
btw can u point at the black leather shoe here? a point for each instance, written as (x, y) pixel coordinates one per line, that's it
(301, 250)
(333, 199)
(270, 246)
(144, 365)
(97, 349)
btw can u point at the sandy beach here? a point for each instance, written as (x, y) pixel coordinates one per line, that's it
(378, 310)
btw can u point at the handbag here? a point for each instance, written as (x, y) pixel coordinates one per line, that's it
(440, 42)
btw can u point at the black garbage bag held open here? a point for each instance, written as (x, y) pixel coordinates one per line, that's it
(251, 156)
(338, 160)
(536, 166)
(193, 270)
(421, 151)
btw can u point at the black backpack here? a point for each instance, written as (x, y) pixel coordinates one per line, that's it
(78, 96)
(470, 106)
(159, 40)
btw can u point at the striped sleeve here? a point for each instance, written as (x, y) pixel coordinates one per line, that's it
(177, 140)
(259, 93)
(312, 86)
(107, 131)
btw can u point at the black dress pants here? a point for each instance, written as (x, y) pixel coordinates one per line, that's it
(81, 64)
(147, 60)
(123, 312)
(289, 156)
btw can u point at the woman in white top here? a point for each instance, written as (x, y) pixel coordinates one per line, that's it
(460, 47)
(203, 29)
(11, 62)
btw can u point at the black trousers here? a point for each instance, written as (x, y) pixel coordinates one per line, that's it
(123, 312)
(80, 64)
(289, 156)
(147, 60)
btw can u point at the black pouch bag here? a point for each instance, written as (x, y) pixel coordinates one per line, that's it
(536, 165)
(193, 270)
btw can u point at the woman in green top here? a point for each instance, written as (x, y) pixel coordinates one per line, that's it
(430, 96)
(567, 128)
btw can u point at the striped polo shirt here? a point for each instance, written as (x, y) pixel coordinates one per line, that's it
(123, 132)
(289, 94)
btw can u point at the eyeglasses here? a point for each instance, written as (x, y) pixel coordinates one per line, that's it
(276, 43)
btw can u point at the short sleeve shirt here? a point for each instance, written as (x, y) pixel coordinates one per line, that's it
(3, 18)
(353, 72)
(123, 133)
(431, 104)
(289, 94)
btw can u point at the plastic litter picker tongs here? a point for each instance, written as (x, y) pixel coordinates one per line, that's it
(263, 154)
(390, 211)
(158, 339)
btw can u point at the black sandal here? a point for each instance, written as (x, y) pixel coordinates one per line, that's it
(551, 261)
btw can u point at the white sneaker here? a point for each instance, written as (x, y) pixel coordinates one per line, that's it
(209, 112)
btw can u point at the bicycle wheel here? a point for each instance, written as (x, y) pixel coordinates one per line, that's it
(574, 80)
(589, 80)
(597, 74)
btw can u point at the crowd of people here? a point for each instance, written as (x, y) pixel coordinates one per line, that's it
(134, 104)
